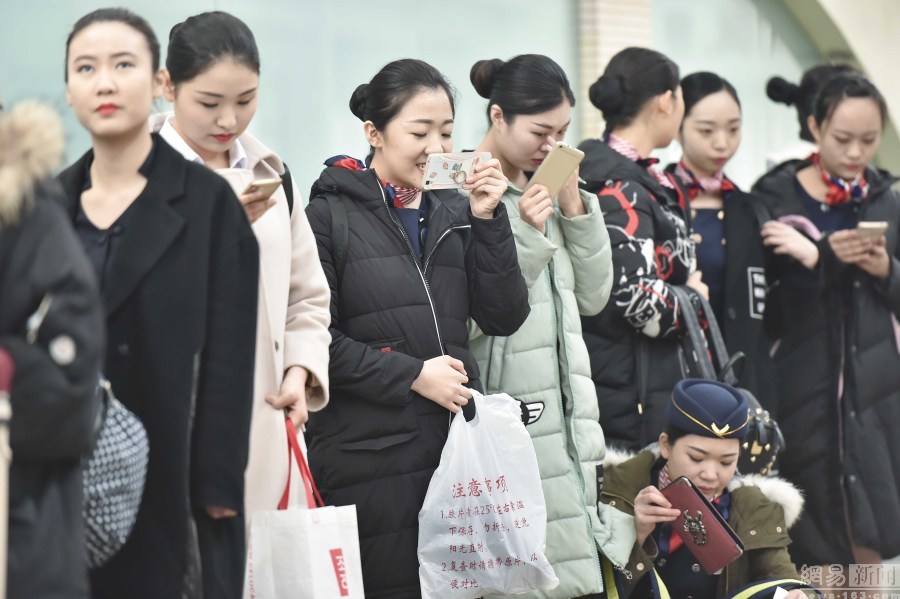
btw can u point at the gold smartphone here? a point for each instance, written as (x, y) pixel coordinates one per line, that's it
(267, 186)
(872, 229)
(556, 168)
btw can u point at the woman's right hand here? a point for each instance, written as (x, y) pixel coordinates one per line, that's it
(442, 380)
(650, 508)
(536, 206)
(256, 204)
(786, 240)
(695, 282)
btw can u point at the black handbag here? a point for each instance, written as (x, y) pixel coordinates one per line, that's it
(708, 358)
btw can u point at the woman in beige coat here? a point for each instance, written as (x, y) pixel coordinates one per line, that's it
(213, 76)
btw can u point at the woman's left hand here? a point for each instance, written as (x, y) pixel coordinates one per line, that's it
(486, 186)
(293, 395)
(569, 198)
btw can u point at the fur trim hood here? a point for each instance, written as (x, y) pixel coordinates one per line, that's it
(776, 489)
(31, 146)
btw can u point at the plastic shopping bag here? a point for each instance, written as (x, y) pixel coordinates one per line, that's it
(483, 526)
(296, 553)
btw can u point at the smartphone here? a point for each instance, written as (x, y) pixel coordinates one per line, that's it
(872, 229)
(556, 168)
(267, 186)
(449, 170)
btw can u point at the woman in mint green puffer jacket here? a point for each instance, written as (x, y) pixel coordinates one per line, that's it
(564, 254)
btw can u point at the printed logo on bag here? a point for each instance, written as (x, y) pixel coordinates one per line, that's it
(340, 571)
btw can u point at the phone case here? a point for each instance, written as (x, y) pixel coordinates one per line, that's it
(267, 186)
(872, 229)
(556, 168)
(704, 532)
(449, 171)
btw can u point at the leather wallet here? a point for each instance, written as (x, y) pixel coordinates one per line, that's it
(704, 531)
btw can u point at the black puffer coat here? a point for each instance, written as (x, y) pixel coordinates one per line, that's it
(842, 450)
(377, 443)
(634, 343)
(54, 400)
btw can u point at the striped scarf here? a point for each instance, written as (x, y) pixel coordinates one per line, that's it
(840, 191)
(630, 152)
(717, 185)
(400, 197)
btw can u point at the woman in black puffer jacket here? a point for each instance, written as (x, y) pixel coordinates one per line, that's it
(833, 305)
(407, 269)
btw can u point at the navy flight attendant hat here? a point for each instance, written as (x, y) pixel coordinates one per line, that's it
(709, 409)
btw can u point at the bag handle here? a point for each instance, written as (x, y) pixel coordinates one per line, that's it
(695, 334)
(313, 498)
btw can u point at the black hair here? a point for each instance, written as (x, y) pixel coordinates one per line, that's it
(391, 88)
(804, 95)
(674, 433)
(697, 86)
(527, 84)
(115, 15)
(632, 77)
(202, 40)
(843, 86)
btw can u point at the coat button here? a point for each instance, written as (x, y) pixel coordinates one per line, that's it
(661, 562)
(613, 503)
(856, 284)
(695, 568)
(752, 533)
(640, 567)
(852, 478)
(123, 349)
(777, 529)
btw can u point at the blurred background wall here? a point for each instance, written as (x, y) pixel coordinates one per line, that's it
(315, 53)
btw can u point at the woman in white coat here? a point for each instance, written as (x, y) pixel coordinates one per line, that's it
(212, 80)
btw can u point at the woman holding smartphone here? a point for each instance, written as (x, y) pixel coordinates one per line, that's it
(177, 264)
(705, 422)
(564, 255)
(212, 79)
(833, 306)
(421, 263)
(634, 342)
(725, 226)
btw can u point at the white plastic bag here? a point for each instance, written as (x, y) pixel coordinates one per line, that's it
(483, 526)
(297, 553)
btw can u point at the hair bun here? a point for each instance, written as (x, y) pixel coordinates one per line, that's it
(174, 30)
(783, 91)
(484, 74)
(358, 101)
(608, 94)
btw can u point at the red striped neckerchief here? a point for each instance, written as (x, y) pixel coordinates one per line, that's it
(717, 185)
(627, 150)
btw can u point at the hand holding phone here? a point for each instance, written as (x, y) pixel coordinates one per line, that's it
(872, 229)
(266, 186)
(449, 170)
(556, 168)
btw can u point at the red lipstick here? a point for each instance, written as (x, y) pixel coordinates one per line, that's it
(223, 137)
(107, 109)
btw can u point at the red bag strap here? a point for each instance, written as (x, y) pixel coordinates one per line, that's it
(313, 498)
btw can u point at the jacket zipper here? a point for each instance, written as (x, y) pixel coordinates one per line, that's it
(440, 239)
(409, 247)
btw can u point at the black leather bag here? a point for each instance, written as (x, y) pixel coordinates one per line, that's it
(708, 358)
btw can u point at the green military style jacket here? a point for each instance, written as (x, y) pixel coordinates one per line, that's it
(762, 511)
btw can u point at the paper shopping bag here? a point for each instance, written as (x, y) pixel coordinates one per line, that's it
(297, 553)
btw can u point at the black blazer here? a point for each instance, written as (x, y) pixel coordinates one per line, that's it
(180, 302)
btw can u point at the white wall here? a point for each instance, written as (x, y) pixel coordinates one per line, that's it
(746, 42)
(313, 56)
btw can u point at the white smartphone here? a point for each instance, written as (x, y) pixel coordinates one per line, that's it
(267, 186)
(556, 168)
(449, 170)
(872, 229)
